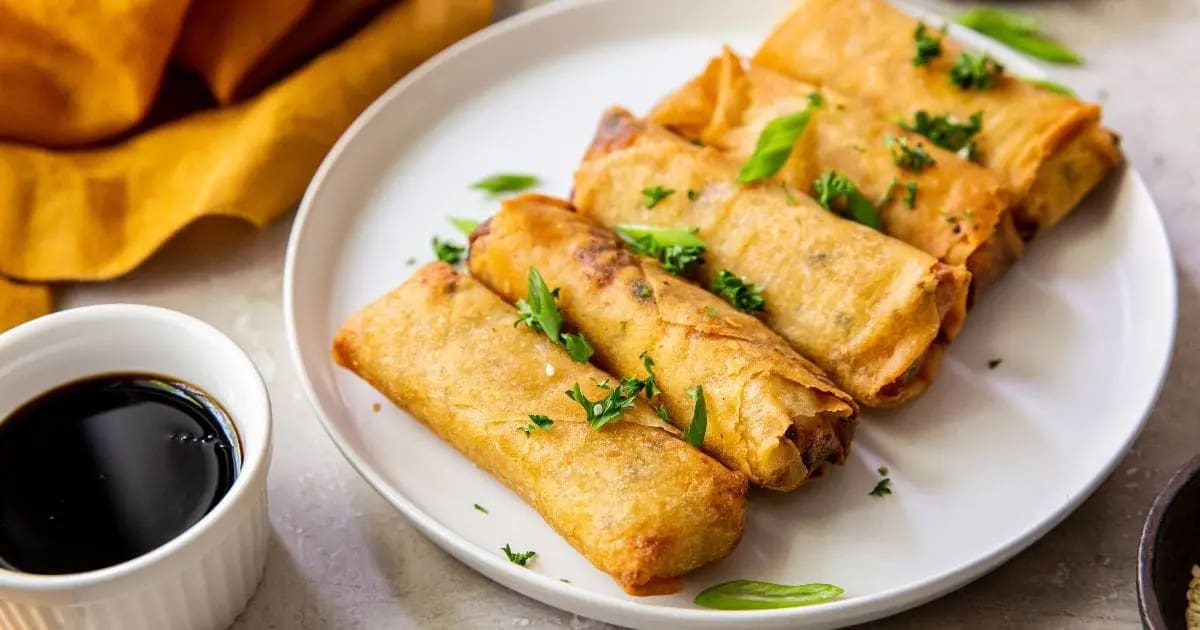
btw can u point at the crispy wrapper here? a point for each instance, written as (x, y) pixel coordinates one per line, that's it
(1050, 149)
(637, 501)
(772, 414)
(875, 313)
(959, 213)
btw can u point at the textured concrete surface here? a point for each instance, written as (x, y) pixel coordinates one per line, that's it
(343, 558)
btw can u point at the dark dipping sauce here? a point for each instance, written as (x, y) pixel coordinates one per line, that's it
(105, 469)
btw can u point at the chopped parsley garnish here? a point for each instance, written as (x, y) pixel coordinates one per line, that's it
(480, 508)
(884, 487)
(679, 251)
(601, 412)
(466, 226)
(537, 422)
(837, 193)
(521, 558)
(1050, 86)
(692, 195)
(946, 133)
(642, 290)
(699, 423)
(1019, 32)
(661, 412)
(975, 71)
(914, 158)
(505, 183)
(655, 194)
(928, 47)
(712, 312)
(910, 195)
(539, 312)
(447, 252)
(744, 297)
(650, 383)
(411, 261)
(787, 195)
(994, 363)
(577, 347)
(776, 141)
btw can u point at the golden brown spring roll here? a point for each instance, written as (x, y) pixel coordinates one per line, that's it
(772, 414)
(1050, 149)
(958, 212)
(874, 312)
(638, 502)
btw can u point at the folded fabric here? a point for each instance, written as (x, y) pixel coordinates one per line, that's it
(95, 213)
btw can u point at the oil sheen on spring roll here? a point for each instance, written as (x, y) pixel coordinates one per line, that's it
(637, 501)
(1050, 149)
(958, 210)
(872, 311)
(772, 414)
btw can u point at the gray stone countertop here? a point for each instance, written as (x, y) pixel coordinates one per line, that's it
(344, 558)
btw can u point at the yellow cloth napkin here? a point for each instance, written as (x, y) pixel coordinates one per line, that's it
(96, 212)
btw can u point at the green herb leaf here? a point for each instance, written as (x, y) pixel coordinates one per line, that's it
(755, 595)
(650, 383)
(994, 363)
(712, 312)
(928, 48)
(692, 195)
(521, 558)
(661, 412)
(910, 195)
(480, 508)
(1019, 32)
(679, 251)
(945, 133)
(537, 422)
(788, 196)
(1050, 86)
(886, 197)
(915, 159)
(655, 194)
(884, 487)
(975, 71)
(699, 424)
(538, 310)
(466, 226)
(744, 297)
(577, 347)
(601, 412)
(505, 183)
(838, 194)
(776, 141)
(447, 252)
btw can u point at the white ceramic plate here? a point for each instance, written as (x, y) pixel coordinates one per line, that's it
(982, 465)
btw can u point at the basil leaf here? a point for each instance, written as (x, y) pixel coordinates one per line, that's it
(775, 143)
(466, 226)
(1019, 33)
(755, 595)
(501, 183)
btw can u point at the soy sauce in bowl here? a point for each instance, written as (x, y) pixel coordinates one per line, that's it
(105, 469)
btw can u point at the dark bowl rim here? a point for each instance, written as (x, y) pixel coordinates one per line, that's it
(1148, 603)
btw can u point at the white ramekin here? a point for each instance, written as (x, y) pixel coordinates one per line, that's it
(203, 578)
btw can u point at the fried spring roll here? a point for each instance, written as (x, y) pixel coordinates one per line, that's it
(638, 502)
(772, 414)
(1050, 149)
(957, 211)
(875, 313)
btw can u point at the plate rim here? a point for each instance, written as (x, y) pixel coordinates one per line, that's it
(598, 605)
